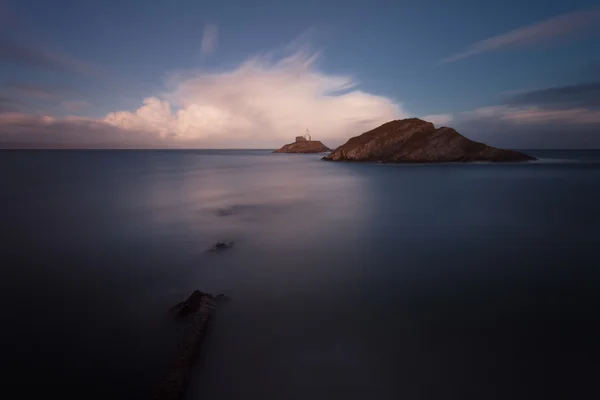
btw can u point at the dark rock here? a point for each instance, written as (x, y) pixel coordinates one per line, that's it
(192, 303)
(219, 297)
(309, 146)
(413, 140)
(221, 246)
(174, 384)
(225, 212)
(238, 209)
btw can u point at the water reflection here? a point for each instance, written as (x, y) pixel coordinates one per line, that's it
(346, 280)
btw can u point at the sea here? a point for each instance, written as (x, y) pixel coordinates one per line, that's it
(345, 280)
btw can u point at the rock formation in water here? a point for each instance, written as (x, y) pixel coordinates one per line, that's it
(413, 140)
(193, 303)
(202, 307)
(220, 246)
(302, 145)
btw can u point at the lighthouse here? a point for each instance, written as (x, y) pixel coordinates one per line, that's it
(305, 138)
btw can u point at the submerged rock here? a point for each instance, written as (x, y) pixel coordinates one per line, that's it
(236, 209)
(225, 212)
(220, 246)
(202, 307)
(413, 140)
(193, 303)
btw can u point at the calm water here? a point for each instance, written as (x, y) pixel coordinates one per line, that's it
(457, 281)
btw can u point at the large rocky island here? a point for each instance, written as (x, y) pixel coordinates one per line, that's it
(303, 145)
(413, 140)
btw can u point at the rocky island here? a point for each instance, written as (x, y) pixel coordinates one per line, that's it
(304, 144)
(413, 140)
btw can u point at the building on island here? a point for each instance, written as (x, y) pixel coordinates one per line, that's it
(305, 138)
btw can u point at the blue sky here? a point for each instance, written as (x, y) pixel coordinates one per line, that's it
(493, 70)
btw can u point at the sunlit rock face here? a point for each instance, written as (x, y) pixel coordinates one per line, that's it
(415, 140)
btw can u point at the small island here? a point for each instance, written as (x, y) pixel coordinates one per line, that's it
(304, 144)
(413, 140)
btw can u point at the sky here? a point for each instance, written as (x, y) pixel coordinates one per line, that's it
(227, 74)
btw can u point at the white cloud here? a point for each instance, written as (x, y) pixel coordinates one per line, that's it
(263, 103)
(439, 119)
(154, 116)
(210, 38)
(260, 103)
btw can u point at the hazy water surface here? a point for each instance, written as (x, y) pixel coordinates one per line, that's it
(346, 280)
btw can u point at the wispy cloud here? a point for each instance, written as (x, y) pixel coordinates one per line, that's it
(536, 115)
(32, 90)
(76, 105)
(9, 104)
(31, 55)
(556, 117)
(539, 32)
(580, 95)
(22, 45)
(532, 127)
(210, 37)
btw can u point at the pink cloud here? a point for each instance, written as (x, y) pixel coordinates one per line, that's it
(18, 130)
(261, 103)
(261, 100)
